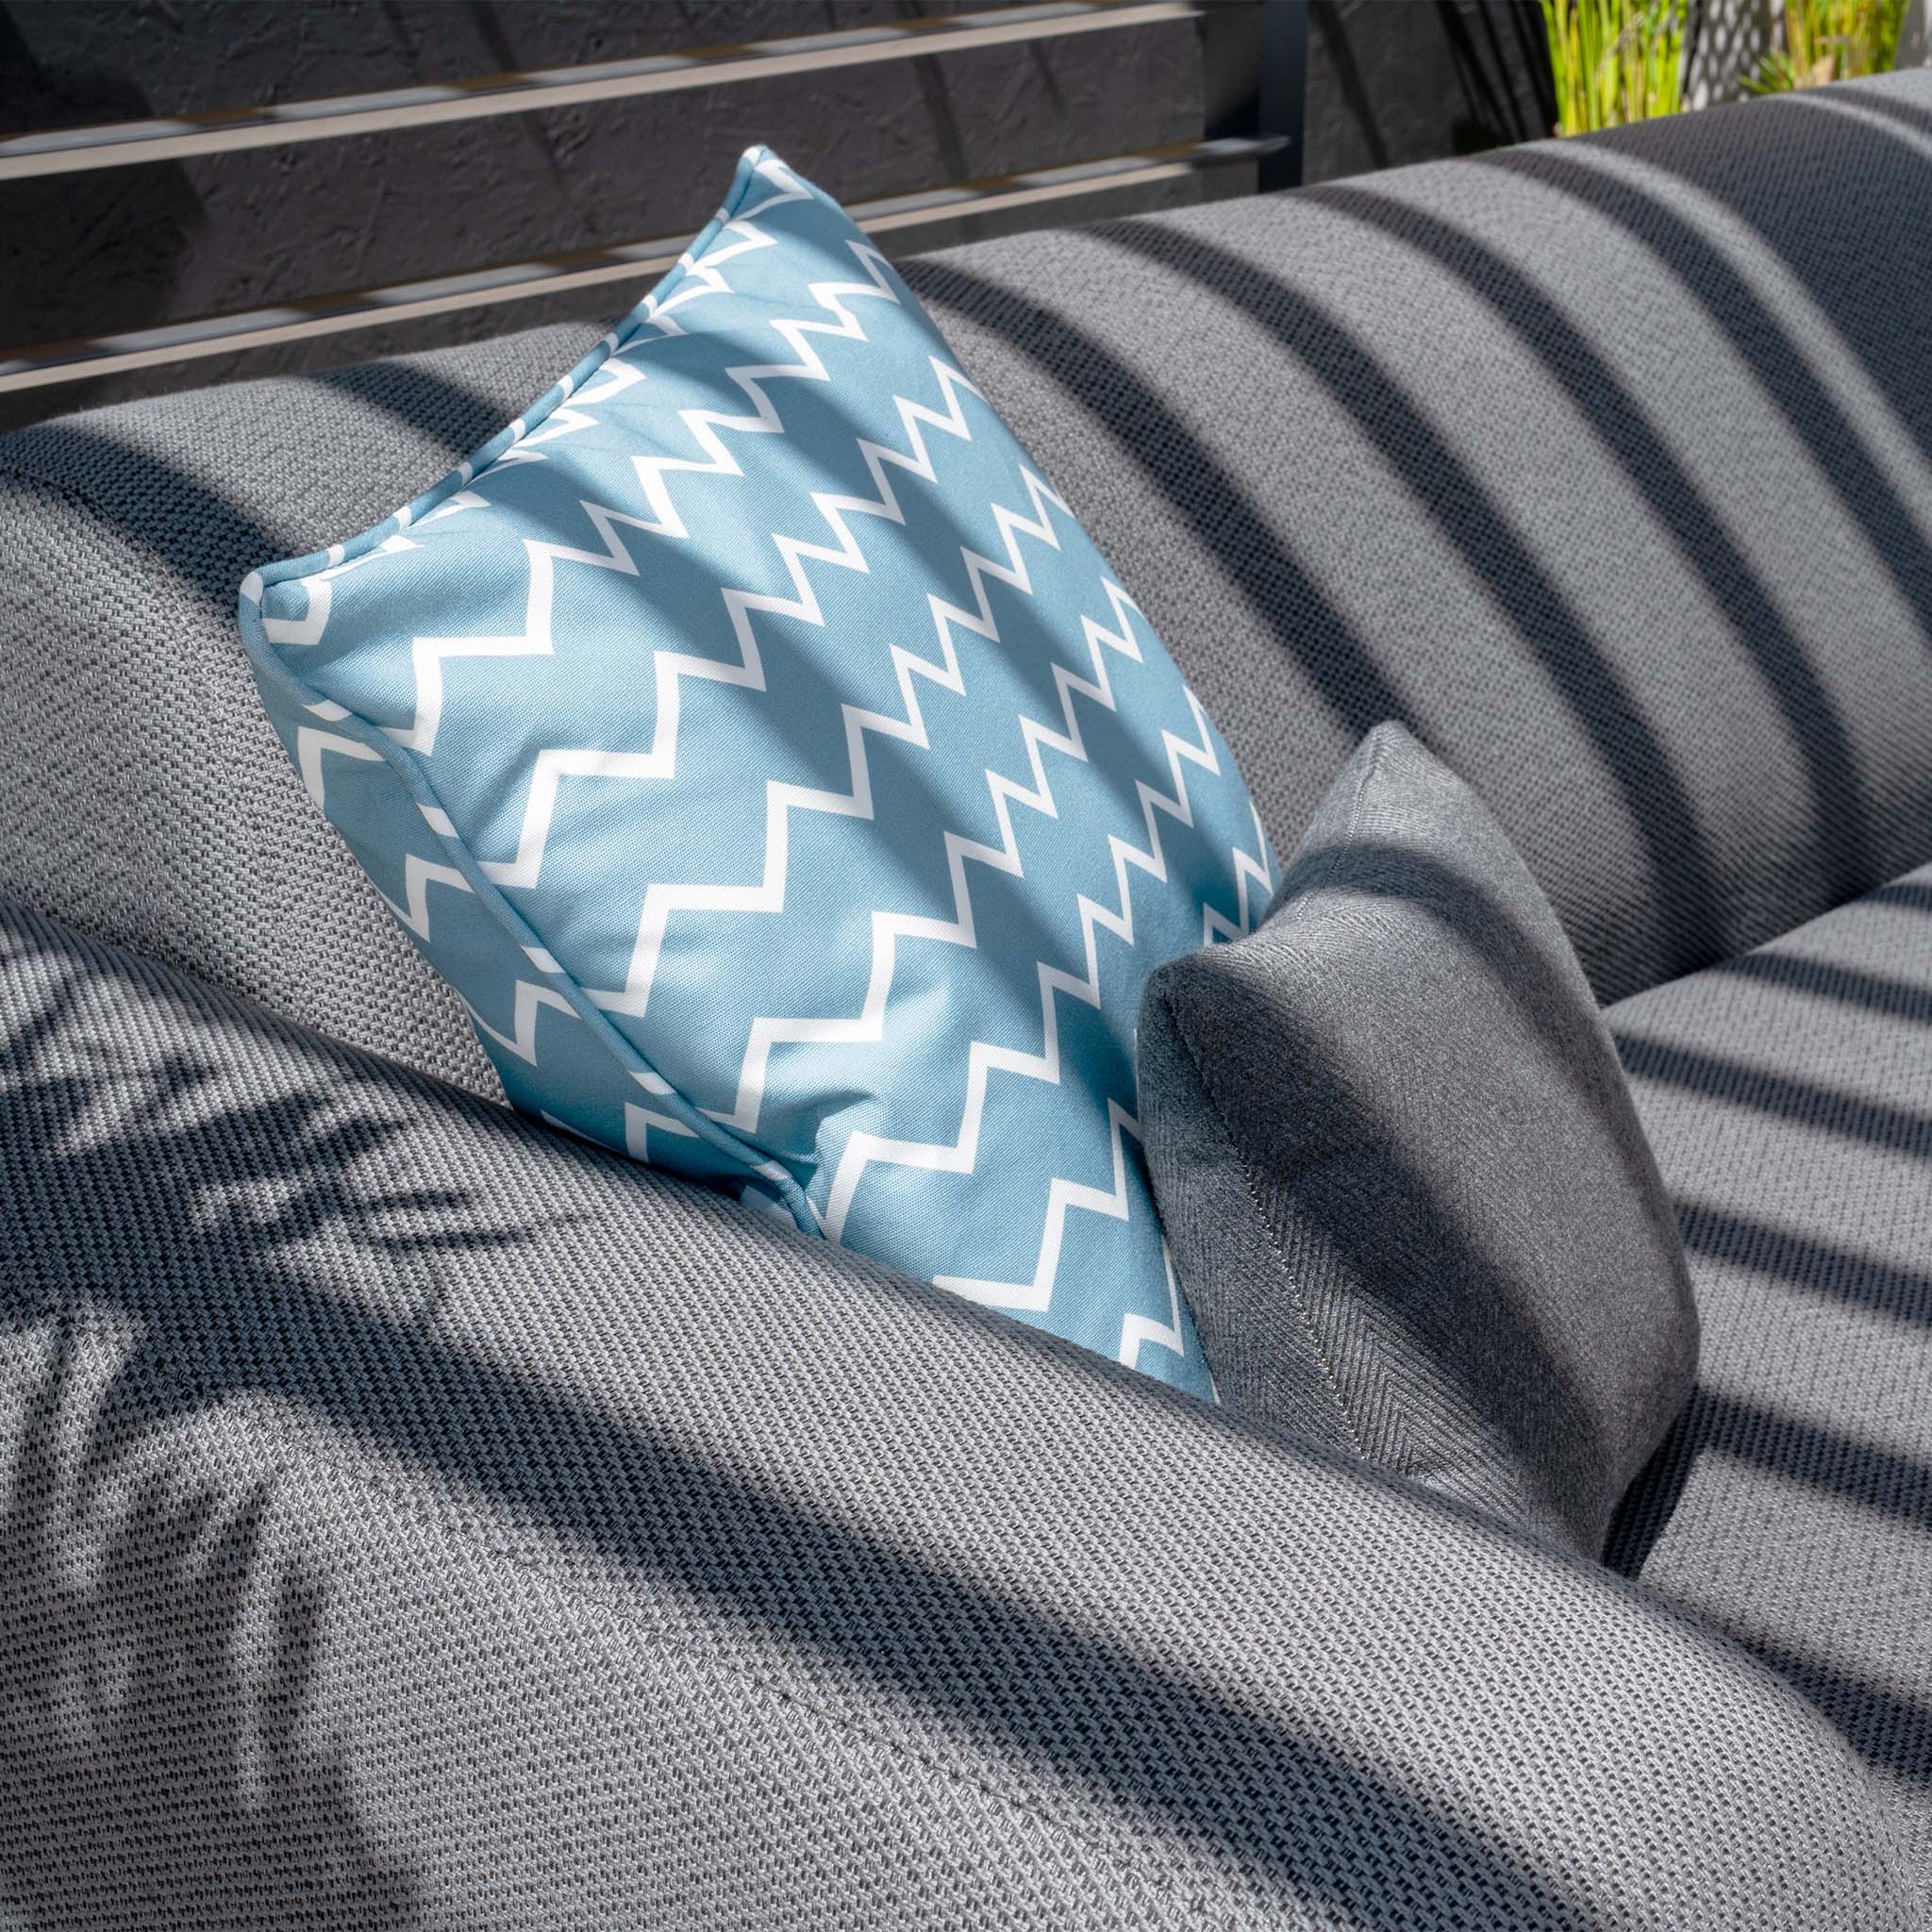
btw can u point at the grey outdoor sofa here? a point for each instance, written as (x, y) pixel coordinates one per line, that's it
(415, 1519)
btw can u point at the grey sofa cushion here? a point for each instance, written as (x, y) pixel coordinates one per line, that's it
(1358, 452)
(411, 1518)
(1789, 1097)
(143, 794)
(1508, 448)
(1395, 1157)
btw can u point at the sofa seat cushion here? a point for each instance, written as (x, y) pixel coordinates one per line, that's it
(412, 1518)
(1788, 1096)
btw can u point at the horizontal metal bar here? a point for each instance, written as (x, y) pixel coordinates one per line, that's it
(120, 144)
(550, 274)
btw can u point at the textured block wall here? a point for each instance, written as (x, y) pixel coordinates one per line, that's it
(1389, 81)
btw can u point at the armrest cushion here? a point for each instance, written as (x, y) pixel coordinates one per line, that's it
(412, 1517)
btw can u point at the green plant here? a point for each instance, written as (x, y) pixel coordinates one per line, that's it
(1830, 40)
(1615, 60)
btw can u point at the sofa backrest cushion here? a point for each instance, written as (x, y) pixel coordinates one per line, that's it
(1606, 465)
(144, 795)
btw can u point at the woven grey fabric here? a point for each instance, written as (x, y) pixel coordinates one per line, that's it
(1512, 449)
(413, 1518)
(143, 795)
(1505, 448)
(1789, 1097)
(1396, 1161)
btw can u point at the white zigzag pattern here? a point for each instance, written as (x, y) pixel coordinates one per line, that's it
(670, 668)
(960, 929)
(522, 1040)
(419, 874)
(1250, 868)
(983, 1059)
(888, 928)
(310, 744)
(429, 654)
(1138, 1329)
(319, 592)
(553, 764)
(782, 799)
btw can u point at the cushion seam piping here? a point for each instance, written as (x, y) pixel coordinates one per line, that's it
(1327, 862)
(1271, 1239)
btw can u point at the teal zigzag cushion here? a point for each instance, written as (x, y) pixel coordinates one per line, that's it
(765, 754)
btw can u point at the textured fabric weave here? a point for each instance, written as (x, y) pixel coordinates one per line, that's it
(1569, 404)
(362, 1570)
(1789, 1096)
(1407, 1192)
(751, 736)
(1512, 449)
(136, 523)
(1505, 448)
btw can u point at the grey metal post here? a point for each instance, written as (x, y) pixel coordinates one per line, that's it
(1255, 62)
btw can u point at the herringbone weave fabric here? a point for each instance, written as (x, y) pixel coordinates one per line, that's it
(1399, 1169)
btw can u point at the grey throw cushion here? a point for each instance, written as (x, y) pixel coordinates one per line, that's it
(1402, 1179)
